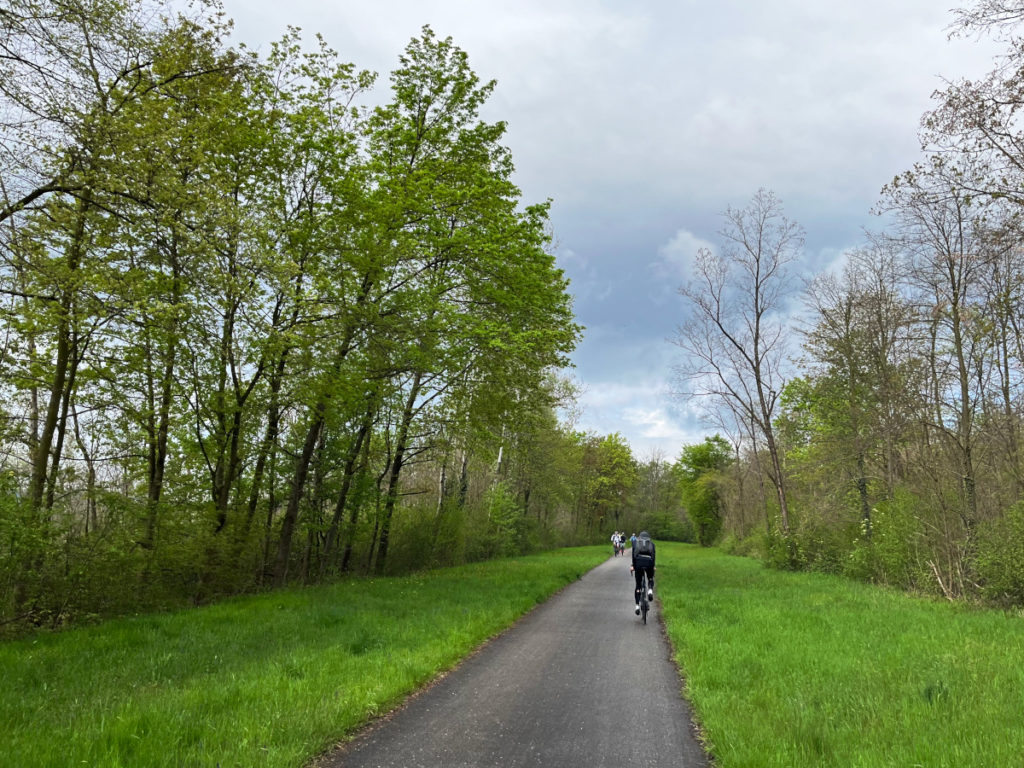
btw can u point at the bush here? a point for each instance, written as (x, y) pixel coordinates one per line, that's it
(999, 558)
(863, 563)
(782, 552)
(821, 546)
(751, 546)
(896, 551)
(411, 538)
(500, 530)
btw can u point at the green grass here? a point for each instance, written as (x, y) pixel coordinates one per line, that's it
(795, 670)
(272, 680)
(786, 670)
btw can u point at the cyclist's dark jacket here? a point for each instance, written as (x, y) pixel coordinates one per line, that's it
(643, 561)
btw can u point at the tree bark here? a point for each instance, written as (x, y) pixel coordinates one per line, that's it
(62, 422)
(353, 515)
(298, 485)
(396, 470)
(62, 363)
(339, 508)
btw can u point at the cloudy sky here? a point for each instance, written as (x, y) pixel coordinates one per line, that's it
(643, 120)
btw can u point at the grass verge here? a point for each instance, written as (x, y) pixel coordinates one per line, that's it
(794, 670)
(271, 680)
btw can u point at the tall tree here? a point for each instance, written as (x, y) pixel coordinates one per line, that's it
(859, 347)
(478, 301)
(939, 229)
(734, 338)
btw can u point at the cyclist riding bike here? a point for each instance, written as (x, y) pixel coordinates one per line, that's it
(643, 565)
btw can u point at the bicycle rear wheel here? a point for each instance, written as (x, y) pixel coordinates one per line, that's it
(644, 606)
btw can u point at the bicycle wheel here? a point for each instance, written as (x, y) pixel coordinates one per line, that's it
(644, 606)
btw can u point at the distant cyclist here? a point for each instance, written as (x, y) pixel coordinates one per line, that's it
(643, 564)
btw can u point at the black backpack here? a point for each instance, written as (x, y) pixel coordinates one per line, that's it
(644, 546)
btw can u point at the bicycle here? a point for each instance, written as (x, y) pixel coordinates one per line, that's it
(644, 605)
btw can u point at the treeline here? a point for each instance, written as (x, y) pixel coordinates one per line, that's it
(890, 448)
(256, 332)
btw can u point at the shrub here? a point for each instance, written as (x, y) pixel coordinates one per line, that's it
(782, 552)
(896, 551)
(822, 546)
(499, 529)
(750, 546)
(999, 558)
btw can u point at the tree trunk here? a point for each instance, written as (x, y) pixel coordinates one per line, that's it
(396, 469)
(965, 422)
(162, 408)
(464, 480)
(91, 521)
(862, 490)
(339, 508)
(62, 364)
(62, 422)
(353, 515)
(298, 485)
(268, 528)
(265, 450)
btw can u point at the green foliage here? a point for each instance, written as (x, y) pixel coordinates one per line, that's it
(233, 267)
(415, 548)
(782, 552)
(821, 545)
(26, 541)
(896, 551)
(501, 529)
(751, 546)
(999, 557)
(615, 476)
(667, 525)
(698, 471)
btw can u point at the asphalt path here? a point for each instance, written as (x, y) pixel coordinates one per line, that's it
(578, 681)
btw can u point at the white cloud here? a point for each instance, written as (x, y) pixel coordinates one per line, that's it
(676, 257)
(832, 261)
(654, 423)
(644, 413)
(567, 257)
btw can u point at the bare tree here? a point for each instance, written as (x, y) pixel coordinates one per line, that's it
(735, 337)
(993, 16)
(860, 344)
(942, 235)
(1004, 302)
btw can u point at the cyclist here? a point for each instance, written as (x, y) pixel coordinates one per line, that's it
(643, 564)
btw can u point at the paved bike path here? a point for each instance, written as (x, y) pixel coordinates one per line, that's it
(579, 681)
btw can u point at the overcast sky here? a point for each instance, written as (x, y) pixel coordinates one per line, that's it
(643, 120)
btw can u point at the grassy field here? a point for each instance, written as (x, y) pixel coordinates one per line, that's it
(271, 680)
(795, 670)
